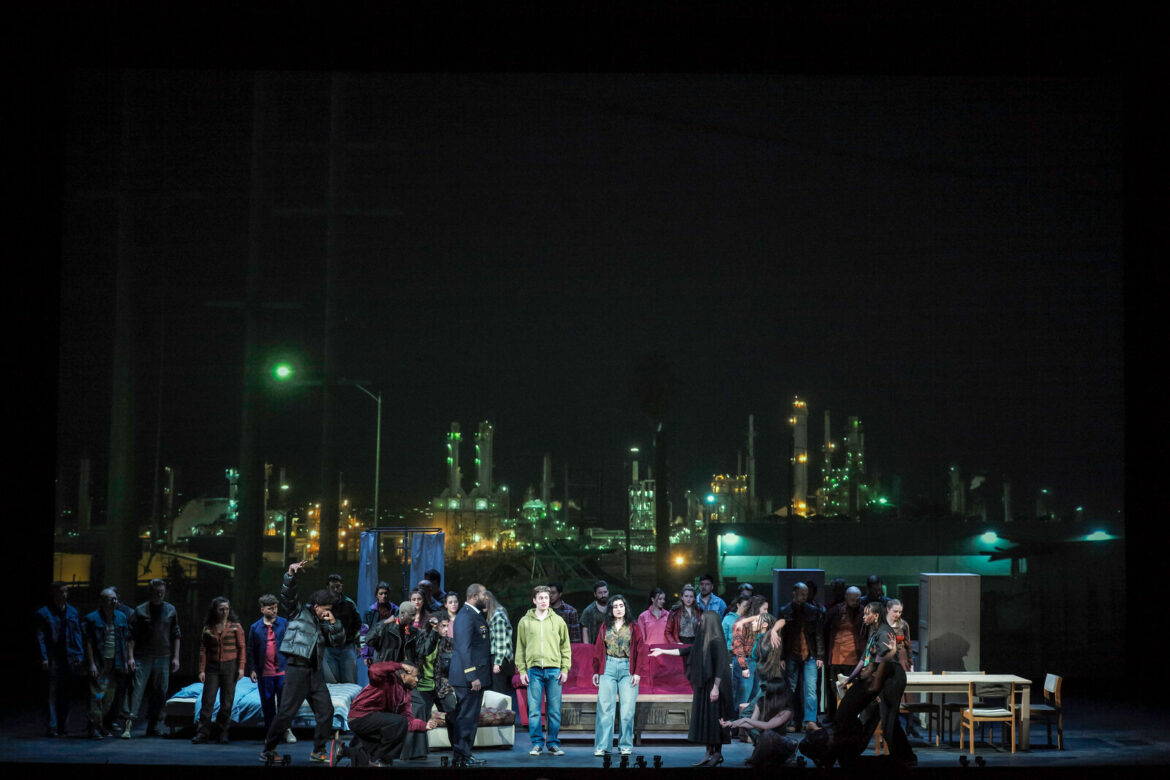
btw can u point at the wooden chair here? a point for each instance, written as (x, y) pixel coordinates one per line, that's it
(947, 712)
(932, 710)
(1051, 711)
(1005, 715)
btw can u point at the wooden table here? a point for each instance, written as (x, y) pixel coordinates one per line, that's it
(957, 682)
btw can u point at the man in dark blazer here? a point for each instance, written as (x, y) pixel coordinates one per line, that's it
(471, 672)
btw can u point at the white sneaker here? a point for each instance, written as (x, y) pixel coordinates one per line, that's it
(536, 750)
(627, 752)
(599, 752)
(556, 750)
(289, 737)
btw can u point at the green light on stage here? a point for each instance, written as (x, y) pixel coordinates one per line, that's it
(1099, 536)
(283, 371)
(990, 537)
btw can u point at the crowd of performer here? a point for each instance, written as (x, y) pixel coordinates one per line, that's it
(753, 671)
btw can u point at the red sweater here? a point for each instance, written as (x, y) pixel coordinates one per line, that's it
(600, 656)
(385, 693)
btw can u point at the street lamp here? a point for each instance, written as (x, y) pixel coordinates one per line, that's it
(377, 446)
(285, 372)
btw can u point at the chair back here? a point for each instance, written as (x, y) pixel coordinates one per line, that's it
(985, 696)
(1052, 685)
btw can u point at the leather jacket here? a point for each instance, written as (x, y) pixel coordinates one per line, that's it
(306, 633)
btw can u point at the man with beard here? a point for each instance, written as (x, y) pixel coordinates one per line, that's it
(594, 614)
(471, 672)
(381, 716)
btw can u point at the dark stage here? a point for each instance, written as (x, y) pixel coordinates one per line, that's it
(1102, 737)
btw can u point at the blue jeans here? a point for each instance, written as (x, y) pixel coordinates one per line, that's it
(339, 664)
(615, 684)
(746, 688)
(544, 684)
(792, 669)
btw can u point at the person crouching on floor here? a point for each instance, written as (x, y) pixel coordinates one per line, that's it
(381, 715)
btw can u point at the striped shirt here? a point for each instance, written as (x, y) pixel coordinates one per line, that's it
(216, 647)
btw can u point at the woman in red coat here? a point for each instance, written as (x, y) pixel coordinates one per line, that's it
(683, 622)
(617, 667)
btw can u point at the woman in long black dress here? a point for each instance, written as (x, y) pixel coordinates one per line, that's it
(709, 671)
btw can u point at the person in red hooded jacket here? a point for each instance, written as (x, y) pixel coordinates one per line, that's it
(380, 716)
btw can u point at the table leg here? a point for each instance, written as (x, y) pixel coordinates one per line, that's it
(1025, 718)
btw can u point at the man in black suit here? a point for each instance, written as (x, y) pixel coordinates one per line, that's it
(471, 672)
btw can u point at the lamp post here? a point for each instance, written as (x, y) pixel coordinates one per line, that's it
(286, 372)
(377, 447)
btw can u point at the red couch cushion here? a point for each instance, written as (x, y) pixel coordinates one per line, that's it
(665, 674)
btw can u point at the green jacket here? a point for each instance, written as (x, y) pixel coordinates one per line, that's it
(543, 642)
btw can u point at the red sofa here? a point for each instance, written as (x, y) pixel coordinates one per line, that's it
(664, 675)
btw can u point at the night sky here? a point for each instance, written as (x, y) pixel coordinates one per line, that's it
(941, 256)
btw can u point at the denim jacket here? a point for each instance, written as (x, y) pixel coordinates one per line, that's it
(53, 629)
(95, 628)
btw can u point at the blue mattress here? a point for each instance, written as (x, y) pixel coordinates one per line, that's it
(246, 709)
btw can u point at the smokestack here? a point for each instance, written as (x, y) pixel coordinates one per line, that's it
(799, 422)
(546, 480)
(483, 459)
(958, 497)
(454, 481)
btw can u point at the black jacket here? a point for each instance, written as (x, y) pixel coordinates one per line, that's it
(806, 618)
(306, 633)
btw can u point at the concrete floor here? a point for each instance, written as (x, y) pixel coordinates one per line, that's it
(1099, 735)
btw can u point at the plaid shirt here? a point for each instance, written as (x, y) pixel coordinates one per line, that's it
(571, 618)
(501, 636)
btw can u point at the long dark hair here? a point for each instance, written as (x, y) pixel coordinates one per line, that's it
(424, 610)
(212, 618)
(627, 620)
(653, 595)
(776, 699)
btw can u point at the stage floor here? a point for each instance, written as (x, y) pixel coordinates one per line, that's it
(1098, 733)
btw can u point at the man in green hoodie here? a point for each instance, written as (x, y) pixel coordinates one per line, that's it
(544, 658)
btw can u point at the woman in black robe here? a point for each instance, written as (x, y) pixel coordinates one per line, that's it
(709, 672)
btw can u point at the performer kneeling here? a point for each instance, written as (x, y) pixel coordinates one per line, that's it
(380, 716)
